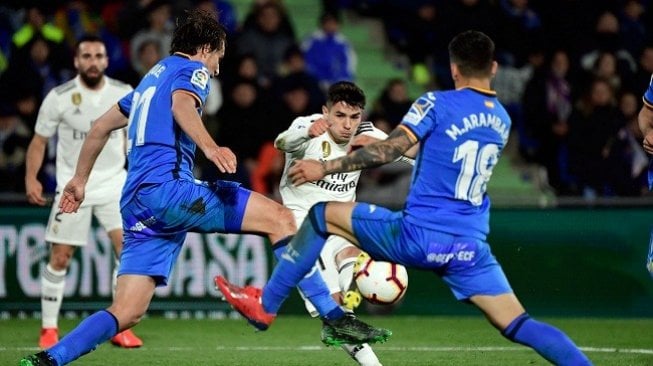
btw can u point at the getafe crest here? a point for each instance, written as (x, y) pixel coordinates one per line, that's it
(326, 149)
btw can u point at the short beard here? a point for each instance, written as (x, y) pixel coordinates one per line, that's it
(91, 82)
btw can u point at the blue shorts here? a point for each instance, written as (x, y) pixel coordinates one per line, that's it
(156, 220)
(465, 264)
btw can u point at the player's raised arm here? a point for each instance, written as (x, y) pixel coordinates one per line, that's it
(97, 137)
(185, 114)
(372, 155)
(301, 130)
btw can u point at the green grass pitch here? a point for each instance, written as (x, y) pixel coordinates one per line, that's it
(294, 340)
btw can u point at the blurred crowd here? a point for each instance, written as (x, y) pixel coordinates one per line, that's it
(572, 75)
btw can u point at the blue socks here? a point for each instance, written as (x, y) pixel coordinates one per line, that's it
(312, 285)
(296, 260)
(547, 340)
(96, 329)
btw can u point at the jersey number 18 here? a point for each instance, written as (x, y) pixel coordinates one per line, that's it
(475, 170)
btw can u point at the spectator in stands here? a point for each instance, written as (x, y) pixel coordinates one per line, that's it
(520, 28)
(293, 71)
(8, 25)
(266, 40)
(606, 38)
(15, 136)
(159, 29)
(413, 28)
(147, 55)
(547, 103)
(642, 77)
(329, 56)
(380, 121)
(225, 12)
(510, 82)
(80, 17)
(35, 28)
(628, 155)
(605, 67)
(295, 101)
(36, 69)
(458, 16)
(285, 25)
(394, 102)
(131, 17)
(593, 127)
(241, 124)
(633, 27)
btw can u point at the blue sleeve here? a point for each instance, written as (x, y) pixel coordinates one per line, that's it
(648, 95)
(193, 78)
(125, 104)
(420, 118)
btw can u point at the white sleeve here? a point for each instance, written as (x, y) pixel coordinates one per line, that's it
(367, 128)
(48, 118)
(296, 135)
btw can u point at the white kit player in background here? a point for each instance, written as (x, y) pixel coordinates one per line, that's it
(324, 137)
(67, 113)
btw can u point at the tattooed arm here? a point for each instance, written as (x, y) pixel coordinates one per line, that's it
(372, 155)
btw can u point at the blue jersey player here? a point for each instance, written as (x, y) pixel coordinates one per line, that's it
(161, 201)
(646, 126)
(445, 221)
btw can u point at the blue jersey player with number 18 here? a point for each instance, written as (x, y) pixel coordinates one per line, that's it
(161, 201)
(445, 221)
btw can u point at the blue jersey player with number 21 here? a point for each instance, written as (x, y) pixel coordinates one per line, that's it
(445, 221)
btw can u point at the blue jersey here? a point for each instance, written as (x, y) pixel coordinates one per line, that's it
(462, 133)
(158, 149)
(648, 102)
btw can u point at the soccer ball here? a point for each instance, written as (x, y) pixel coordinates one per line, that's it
(380, 282)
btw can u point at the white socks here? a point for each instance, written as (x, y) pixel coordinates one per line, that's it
(362, 353)
(53, 283)
(346, 274)
(114, 278)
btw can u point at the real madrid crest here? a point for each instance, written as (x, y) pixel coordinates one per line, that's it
(326, 149)
(76, 98)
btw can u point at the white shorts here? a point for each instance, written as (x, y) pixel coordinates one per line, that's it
(74, 228)
(328, 267)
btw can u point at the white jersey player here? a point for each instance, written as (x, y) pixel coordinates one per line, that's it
(323, 137)
(68, 112)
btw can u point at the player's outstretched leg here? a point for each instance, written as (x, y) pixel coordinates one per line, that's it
(247, 301)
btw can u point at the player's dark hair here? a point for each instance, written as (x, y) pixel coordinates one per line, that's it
(196, 30)
(348, 92)
(473, 53)
(86, 38)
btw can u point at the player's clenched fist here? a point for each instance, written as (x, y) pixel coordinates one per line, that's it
(318, 127)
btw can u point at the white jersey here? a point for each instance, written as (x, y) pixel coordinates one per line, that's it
(69, 111)
(334, 187)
